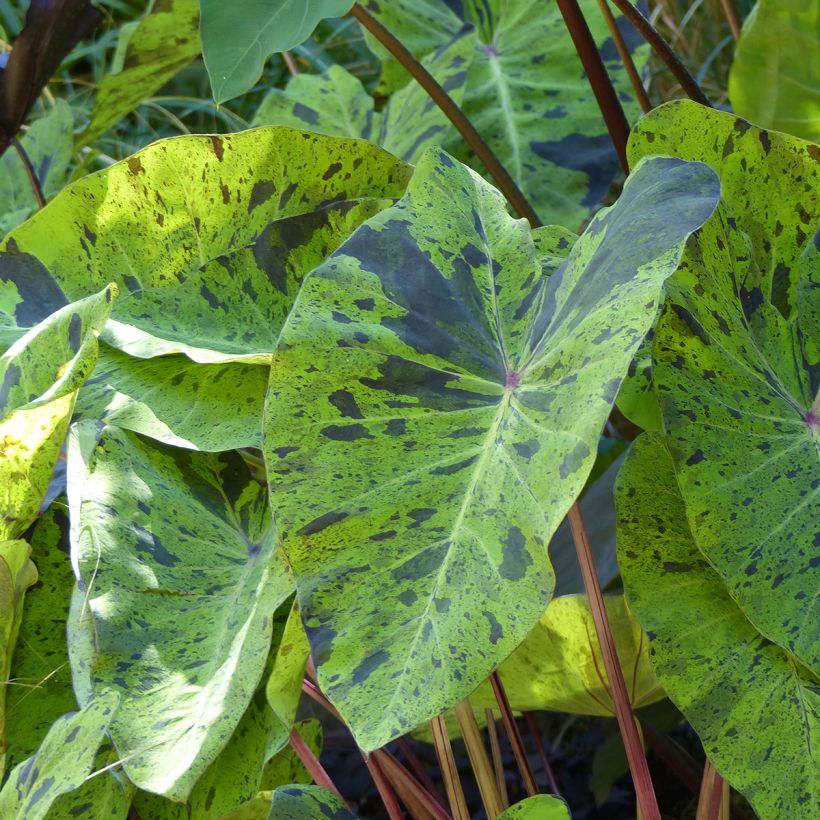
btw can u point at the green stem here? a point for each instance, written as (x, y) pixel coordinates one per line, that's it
(506, 184)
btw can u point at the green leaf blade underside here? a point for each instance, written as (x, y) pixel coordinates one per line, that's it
(298, 802)
(175, 554)
(775, 76)
(60, 765)
(539, 807)
(735, 369)
(210, 407)
(238, 37)
(753, 705)
(559, 667)
(528, 96)
(337, 104)
(207, 237)
(160, 45)
(434, 409)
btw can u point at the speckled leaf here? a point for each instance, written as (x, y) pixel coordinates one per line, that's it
(209, 407)
(42, 682)
(336, 103)
(434, 409)
(39, 376)
(161, 44)
(734, 371)
(284, 685)
(636, 398)
(285, 767)
(238, 37)
(208, 237)
(754, 706)
(174, 551)
(298, 802)
(17, 574)
(775, 75)
(49, 143)
(60, 765)
(527, 94)
(539, 807)
(559, 666)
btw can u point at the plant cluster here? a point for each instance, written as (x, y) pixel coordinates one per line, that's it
(293, 411)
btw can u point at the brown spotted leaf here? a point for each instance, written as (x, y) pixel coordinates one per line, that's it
(434, 410)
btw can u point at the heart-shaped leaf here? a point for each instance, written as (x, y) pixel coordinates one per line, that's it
(538, 807)
(209, 237)
(736, 369)
(434, 410)
(754, 706)
(307, 803)
(174, 552)
(238, 37)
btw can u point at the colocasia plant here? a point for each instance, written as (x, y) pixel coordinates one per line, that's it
(291, 415)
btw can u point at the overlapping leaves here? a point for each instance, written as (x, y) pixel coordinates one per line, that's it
(434, 409)
(754, 706)
(175, 558)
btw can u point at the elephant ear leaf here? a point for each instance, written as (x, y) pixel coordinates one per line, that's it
(298, 802)
(538, 807)
(434, 410)
(754, 706)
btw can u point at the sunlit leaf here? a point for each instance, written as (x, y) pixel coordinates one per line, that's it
(754, 706)
(539, 807)
(175, 553)
(208, 237)
(434, 410)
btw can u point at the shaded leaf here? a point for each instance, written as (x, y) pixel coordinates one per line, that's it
(434, 409)
(539, 807)
(559, 666)
(307, 803)
(736, 374)
(49, 144)
(17, 574)
(179, 402)
(60, 765)
(336, 103)
(775, 76)
(527, 94)
(753, 705)
(41, 689)
(208, 237)
(238, 38)
(175, 556)
(160, 45)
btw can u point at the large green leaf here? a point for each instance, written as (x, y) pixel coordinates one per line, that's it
(434, 410)
(170, 398)
(754, 706)
(336, 103)
(150, 52)
(539, 807)
(49, 144)
(559, 666)
(210, 235)
(736, 371)
(238, 37)
(527, 93)
(174, 551)
(41, 691)
(775, 76)
(60, 765)
(17, 574)
(39, 376)
(307, 803)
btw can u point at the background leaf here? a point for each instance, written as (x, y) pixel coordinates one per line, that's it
(539, 807)
(753, 705)
(238, 38)
(434, 409)
(181, 545)
(307, 803)
(775, 78)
